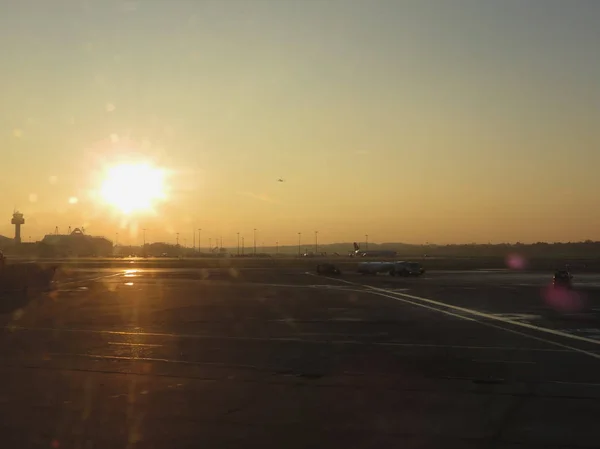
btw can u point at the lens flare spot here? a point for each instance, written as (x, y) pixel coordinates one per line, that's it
(516, 262)
(563, 299)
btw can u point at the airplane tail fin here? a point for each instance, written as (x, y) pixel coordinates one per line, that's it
(356, 247)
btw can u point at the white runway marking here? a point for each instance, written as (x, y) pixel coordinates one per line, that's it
(429, 303)
(518, 316)
(134, 344)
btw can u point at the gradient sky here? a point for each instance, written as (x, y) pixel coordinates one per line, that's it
(441, 121)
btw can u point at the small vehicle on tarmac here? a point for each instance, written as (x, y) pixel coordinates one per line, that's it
(562, 279)
(328, 268)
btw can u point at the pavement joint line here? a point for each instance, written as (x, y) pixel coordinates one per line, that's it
(522, 362)
(564, 382)
(282, 339)
(483, 348)
(263, 381)
(163, 360)
(404, 297)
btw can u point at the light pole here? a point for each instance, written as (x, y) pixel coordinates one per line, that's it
(177, 239)
(199, 241)
(144, 239)
(255, 241)
(238, 235)
(277, 248)
(299, 240)
(117, 239)
(367, 242)
(316, 242)
(242, 246)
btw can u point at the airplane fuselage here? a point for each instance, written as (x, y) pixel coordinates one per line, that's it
(376, 253)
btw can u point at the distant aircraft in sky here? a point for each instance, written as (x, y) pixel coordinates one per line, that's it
(280, 180)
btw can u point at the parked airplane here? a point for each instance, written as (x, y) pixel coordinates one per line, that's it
(376, 253)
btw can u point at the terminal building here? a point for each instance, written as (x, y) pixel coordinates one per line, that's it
(75, 243)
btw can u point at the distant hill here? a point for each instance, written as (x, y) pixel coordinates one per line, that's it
(585, 250)
(569, 250)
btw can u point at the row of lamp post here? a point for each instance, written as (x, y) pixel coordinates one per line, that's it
(242, 241)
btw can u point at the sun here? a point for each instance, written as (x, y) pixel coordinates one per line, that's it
(133, 188)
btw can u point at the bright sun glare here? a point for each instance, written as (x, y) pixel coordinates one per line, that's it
(133, 187)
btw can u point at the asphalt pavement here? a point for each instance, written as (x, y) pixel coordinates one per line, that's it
(228, 358)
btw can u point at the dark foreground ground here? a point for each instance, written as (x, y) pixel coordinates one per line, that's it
(131, 357)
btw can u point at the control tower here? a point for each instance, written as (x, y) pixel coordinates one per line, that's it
(18, 220)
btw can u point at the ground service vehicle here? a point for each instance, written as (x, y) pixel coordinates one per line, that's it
(375, 267)
(562, 279)
(328, 268)
(407, 269)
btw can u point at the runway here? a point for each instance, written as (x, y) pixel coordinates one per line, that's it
(162, 358)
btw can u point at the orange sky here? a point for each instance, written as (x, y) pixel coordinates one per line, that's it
(409, 121)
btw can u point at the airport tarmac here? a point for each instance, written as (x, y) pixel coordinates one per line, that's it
(174, 358)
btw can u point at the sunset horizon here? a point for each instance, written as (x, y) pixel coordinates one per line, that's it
(389, 119)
